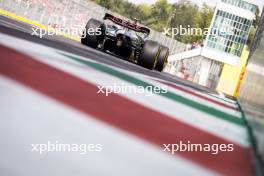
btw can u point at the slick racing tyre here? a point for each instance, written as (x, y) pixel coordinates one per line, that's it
(93, 33)
(162, 59)
(149, 54)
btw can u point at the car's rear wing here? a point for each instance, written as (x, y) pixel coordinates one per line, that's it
(127, 24)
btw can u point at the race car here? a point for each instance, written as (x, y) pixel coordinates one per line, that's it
(127, 40)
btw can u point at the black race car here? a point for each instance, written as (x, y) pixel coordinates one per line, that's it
(127, 40)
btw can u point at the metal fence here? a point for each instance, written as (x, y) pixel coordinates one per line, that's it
(251, 96)
(253, 84)
(72, 14)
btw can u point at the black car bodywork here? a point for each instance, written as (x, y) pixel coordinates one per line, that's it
(127, 40)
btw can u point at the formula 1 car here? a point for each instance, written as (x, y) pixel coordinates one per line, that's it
(127, 40)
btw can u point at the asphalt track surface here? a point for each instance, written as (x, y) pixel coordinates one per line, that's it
(24, 31)
(49, 92)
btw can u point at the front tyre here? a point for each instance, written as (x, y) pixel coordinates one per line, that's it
(93, 33)
(162, 59)
(149, 54)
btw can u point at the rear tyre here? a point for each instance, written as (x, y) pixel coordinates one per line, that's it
(149, 54)
(93, 33)
(162, 59)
